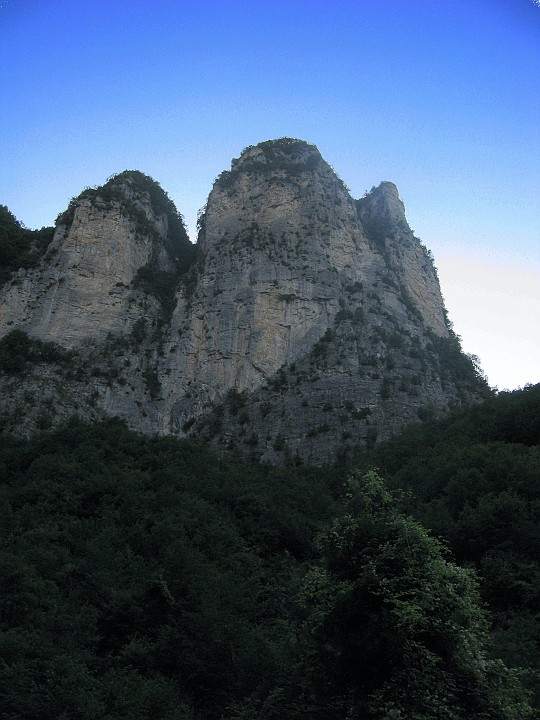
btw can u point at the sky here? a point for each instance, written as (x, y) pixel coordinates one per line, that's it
(441, 98)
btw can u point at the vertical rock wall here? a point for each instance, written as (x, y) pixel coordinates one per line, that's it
(309, 322)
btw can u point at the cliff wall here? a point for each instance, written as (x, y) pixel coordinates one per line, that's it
(303, 324)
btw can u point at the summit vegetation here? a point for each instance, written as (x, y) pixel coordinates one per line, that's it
(148, 577)
(20, 247)
(288, 155)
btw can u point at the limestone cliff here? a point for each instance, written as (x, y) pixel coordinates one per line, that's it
(84, 288)
(303, 324)
(382, 214)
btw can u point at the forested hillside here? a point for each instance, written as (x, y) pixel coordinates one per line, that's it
(147, 577)
(474, 479)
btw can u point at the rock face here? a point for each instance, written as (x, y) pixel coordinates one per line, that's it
(81, 291)
(81, 295)
(302, 325)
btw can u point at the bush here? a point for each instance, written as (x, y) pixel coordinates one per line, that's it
(19, 247)
(18, 351)
(397, 630)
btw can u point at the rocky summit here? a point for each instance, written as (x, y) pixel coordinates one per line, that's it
(302, 325)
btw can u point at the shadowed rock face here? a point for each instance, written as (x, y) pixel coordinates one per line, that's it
(308, 322)
(382, 215)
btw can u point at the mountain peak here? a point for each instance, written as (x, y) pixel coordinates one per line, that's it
(308, 324)
(384, 203)
(281, 150)
(288, 156)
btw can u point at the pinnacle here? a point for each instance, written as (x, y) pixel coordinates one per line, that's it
(383, 201)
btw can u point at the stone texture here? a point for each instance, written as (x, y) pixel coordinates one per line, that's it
(81, 291)
(309, 324)
(404, 254)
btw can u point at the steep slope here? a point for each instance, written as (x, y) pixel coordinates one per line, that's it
(321, 318)
(382, 215)
(104, 290)
(278, 232)
(302, 324)
(82, 289)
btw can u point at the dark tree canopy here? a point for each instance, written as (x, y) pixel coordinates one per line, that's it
(20, 247)
(147, 577)
(398, 629)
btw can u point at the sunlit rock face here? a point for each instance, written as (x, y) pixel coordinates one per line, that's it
(303, 324)
(281, 234)
(82, 290)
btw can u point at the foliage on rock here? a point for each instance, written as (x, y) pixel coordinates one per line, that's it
(20, 247)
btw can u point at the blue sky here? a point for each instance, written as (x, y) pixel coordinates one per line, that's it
(441, 98)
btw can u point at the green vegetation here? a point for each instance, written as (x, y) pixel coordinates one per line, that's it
(127, 189)
(454, 365)
(147, 577)
(160, 284)
(19, 247)
(151, 380)
(18, 352)
(378, 229)
(137, 184)
(286, 154)
(397, 630)
(473, 479)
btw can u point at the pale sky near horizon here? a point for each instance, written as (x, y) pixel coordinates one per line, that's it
(442, 99)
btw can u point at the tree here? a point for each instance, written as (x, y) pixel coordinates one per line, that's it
(397, 630)
(19, 247)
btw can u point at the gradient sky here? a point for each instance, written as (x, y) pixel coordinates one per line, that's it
(441, 98)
